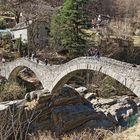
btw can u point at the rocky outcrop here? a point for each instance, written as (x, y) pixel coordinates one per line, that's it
(63, 113)
(119, 107)
(70, 111)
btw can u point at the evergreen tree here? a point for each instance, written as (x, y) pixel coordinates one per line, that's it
(66, 26)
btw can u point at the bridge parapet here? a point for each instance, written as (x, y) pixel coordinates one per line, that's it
(122, 67)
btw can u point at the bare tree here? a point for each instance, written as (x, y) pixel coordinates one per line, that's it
(54, 3)
(15, 7)
(15, 123)
(34, 14)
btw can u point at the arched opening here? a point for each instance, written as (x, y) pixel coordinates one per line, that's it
(96, 78)
(104, 96)
(26, 78)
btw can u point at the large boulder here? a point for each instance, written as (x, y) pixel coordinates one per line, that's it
(35, 95)
(120, 107)
(69, 111)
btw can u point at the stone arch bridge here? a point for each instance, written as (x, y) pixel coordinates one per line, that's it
(55, 76)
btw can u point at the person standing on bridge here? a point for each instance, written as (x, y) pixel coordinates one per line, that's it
(90, 52)
(33, 56)
(37, 60)
(46, 62)
(97, 54)
(24, 54)
(3, 60)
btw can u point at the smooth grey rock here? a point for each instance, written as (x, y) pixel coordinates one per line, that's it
(81, 89)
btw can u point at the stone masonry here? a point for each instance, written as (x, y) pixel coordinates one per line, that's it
(55, 76)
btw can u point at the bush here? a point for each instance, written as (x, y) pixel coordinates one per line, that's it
(11, 91)
(2, 24)
(20, 46)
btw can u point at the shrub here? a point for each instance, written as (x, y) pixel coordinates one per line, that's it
(2, 23)
(11, 91)
(15, 123)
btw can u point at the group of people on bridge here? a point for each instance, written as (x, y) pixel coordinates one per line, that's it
(35, 58)
(94, 52)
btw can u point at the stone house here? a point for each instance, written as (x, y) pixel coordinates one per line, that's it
(34, 34)
(20, 30)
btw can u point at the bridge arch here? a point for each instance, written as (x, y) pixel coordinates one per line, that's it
(106, 69)
(13, 68)
(30, 81)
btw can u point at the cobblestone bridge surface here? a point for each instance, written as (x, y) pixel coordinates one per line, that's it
(55, 76)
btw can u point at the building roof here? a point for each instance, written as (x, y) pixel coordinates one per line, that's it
(7, 17)
(20, 26)
(4, 30)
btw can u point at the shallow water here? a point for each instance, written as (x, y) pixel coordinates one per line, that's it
(131, 121)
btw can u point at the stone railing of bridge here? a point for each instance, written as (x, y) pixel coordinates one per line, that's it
(54, 77)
